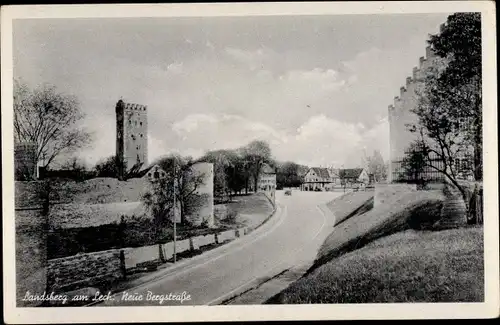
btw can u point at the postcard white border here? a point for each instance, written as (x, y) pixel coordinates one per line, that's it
(488, 309)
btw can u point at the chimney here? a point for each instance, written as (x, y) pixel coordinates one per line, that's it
(401, 91)
(396, 98)
(415, 71)
(408, 81)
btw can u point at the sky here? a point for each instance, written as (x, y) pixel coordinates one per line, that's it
(316, 88)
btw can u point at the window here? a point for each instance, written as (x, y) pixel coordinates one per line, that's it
(141, 135)
(135, 123)
(140, 123)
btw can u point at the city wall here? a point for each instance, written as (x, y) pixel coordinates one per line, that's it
(31, 254)
(400, 112)
(84, 270)
(92, 269)
(25, 161)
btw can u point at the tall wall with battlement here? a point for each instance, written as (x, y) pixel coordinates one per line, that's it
(25, 161)
(131, 134)
(400, 113)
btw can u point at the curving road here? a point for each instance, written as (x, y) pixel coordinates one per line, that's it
(291, 237)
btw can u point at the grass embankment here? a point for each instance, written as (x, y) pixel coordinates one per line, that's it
(386, 255)
(416, 210)
(351, 204)
(410, 266)
(246, 210)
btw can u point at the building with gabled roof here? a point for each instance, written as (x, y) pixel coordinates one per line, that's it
(320, 178)
(267, 179)
(353, 176)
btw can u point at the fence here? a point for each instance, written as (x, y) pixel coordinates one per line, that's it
(90, 269)
(405, 171)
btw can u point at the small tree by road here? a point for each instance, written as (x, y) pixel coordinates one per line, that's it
(182, 181)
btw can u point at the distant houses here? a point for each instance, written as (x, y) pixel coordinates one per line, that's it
(326, 179)
(352, 176)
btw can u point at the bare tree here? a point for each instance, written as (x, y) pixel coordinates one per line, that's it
(254, 155)
(49, 119)
(159, 199)
(376, 166)
(159, 202)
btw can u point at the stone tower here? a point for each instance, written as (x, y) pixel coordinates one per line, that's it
(131, 137)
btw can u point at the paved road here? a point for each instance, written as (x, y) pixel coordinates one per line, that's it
(292, 236)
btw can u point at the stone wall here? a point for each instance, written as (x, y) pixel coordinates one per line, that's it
(384, 192)
(31, 255)
(84, 270)
(25, 161)
(91, 269)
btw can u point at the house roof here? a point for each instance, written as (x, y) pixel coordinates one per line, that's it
(321, 172)
(266, 169)
(350, 173)
(334, 172)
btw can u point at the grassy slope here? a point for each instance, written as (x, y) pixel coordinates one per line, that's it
(251, 210)
(410, 210)
(410, 266)
(348, 204)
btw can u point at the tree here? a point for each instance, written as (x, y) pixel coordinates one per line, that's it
(449, 111)
(413, 165)
(254, 155)
(77, 168)
(376, 166)
(460, 84)
(159, 200)
(222, 161)
(49, 119)
(107, 167)
(288, 175)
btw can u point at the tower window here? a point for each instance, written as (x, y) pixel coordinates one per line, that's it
(141, 135)
(140, 123)
(129, 121)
